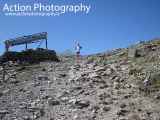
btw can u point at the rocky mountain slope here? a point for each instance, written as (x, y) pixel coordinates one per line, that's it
(123, 84)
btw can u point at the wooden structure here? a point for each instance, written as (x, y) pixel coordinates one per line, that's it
(38, 37)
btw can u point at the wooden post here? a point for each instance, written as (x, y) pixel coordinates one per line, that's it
(46, 44)
(7, 47)
(26, 46)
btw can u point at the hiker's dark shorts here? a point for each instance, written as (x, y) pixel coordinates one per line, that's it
(77, 53)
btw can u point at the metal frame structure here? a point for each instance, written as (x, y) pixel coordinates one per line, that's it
(26, 40)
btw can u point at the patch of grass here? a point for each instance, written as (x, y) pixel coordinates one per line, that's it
(156, 83)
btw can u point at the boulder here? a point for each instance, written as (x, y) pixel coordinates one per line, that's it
(132, 53)
(94, 75)
(123, 105)
(106, 109)
(122, 112)
(4, 111)
(134, 116)
(155, 76)
(80, 104)
(53, 102)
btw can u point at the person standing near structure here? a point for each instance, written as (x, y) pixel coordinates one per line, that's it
(77, 50)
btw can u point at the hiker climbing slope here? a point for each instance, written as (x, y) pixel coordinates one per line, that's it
(78, 48)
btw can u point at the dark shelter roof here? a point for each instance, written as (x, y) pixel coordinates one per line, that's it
(26, 39)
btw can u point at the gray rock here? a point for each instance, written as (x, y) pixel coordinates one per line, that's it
(62, 75)
(27, 118)
(75, 117)
(82, 104)
(103, 86)
(77, 88)
(94, 75)
(157, 96)
(154, 77)
(116, 85)
(123, 105)
(14, 81)
(1, 94)
(122, 112)
(106, 102)
(106, 109)
(4, 111)
(134, 117)
(64, 99)
(103, 95)
(76, 67)
(6, 91)
(94, 108)
(109, 71)
(41, 77)
(132, 52)
(127, 96)
(53, 102)
(99, 69)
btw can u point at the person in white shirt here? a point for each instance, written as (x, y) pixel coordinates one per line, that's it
(77, 50)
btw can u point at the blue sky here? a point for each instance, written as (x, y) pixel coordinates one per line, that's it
(110, 24)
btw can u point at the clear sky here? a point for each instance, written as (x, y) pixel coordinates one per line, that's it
(110, 24)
